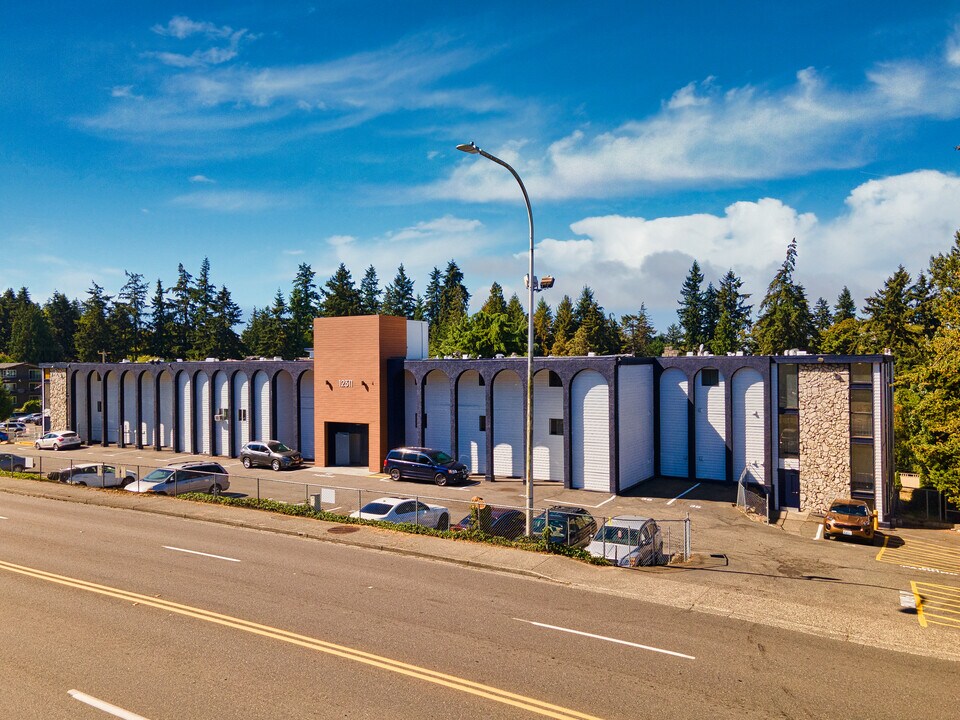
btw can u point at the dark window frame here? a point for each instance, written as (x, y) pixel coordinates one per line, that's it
(556, 426)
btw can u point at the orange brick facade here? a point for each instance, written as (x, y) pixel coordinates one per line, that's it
(350, 379)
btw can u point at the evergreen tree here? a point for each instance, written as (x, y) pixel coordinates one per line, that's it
(692, 311)
(260, 336)
(181, 308)
(516, 341)
(543, 328)
(304, 307)
(452, 312)
(637, 332)
(595, 332)
(226, 316)
(495, 304)
(673, 337)
(8, 302)
(161, 324)
(845, 307)
(203, 327)
(921, 301)
(30, 338)
(733, 322)
(419, 309)
(398, 297)
(370, 293)
(340, 295)
(431, 298)
(785, 321)
(711, 312)
(62, 317)
(842, 338)
(564, 327)
(889, 317)
(132, 301)
(93, 334)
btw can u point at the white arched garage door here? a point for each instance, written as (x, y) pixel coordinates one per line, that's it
(240, 407)
(113, 406)
(80, 405)
(410, 409)
(471, 422)
(437, 410)
(674, 405)
(166, 409)
(203, 413)
(748, 425)
(221, 398)
(147, 408)
(590, 431)
(507, 425)
(711, 425)
(547, 406)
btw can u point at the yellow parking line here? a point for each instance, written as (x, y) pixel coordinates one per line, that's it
(937, 604)
(450, 681)
(915, 553)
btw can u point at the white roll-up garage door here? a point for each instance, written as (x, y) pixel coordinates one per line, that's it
(147, 408)
(261, 396)
(221, 394)
(166, 409)
(129, 409)
(547, 447)
(240, 407)
(113, 406)
(508, 420)
(286, 409)
(202, 403)
(590, 431)
(185, 412)
(748, 425)
(471, 411)
(81, 425)
(96, 407)
(711, 425)
(437, 408)
(674, 408)
(635, 424)
(411, 405)
(307, 415)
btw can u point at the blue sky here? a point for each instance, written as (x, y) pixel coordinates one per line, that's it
(134, 136)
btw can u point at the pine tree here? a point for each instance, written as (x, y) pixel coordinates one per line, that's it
(845, 307)
(691, 312)
(202, 327)
(516, 341)
(62, 316)
(431, 298)
(711, 312)
(785, 321)
(30, 338)
(161, 325)
(181, 307)
(889, 317)
(452, 310)
(340, 295)
(132, 301)
(564, 327)
(8, 303)
(93, 333)
(226, 316)
(495, 304)
(543, 328)
(370, 293)
(637, 332)
(733, 321)
(921, 301)
(398, 297)
(304, 307)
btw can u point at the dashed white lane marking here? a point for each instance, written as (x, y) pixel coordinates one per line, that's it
(608, 639)
(197, 552)
(671, 502)
(3, 518)
(104, 706)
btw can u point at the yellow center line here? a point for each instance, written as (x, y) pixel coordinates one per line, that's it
(450, 681)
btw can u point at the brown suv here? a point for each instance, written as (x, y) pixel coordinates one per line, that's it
(851, 518)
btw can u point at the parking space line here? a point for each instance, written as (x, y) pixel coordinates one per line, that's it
(608, 639)
(919, 555)
(937, 604)
(104, 706)
(577, 504)
(671, 502)
(197, 552)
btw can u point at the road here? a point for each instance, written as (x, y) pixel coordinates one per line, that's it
(358, 614)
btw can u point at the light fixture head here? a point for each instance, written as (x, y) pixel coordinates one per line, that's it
(469, 148)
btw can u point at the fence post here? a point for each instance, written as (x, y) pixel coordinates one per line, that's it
(258, 487)
(686, 538)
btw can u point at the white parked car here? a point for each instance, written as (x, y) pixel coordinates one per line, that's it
(405, 510)
(13, 428)
(197, 476)
(95, 475)
(58, 440)
(629, 541)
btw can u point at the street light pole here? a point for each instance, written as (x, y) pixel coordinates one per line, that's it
(531, 286)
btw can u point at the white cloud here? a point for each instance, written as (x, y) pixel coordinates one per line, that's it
(232, 201)
(293, 252)
(628, 260)
(181, 27)
(338, 241)
(123, 91)
(201, 179)
(952, 55)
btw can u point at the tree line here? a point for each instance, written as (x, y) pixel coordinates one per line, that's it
(917, 319)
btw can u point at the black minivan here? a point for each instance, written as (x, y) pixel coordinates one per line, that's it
(417, 463)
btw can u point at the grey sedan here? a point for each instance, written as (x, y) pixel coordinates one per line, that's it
(13, 463)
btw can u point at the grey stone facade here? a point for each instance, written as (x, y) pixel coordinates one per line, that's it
(58, 399)
(824, 397)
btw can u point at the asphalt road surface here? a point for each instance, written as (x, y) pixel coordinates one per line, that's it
(159, 617)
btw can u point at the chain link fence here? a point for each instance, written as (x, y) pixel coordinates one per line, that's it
(624, 540)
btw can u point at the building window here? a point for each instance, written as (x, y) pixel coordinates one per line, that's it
(424, 421)
(787, 382)
(482, 381)
(11, 373)
(554, 380)
(35, 375)
(709, 377)
(789, 441)
(861, 413)
(483, 423)
(10, 387)
(99, 405)
(242, 415)
(861, 470)
(556, 426)
(861, 374)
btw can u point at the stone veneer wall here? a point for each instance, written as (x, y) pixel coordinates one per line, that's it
(58, 399)
(824, 396)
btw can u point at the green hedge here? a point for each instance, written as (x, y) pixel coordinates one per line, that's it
(538, 544)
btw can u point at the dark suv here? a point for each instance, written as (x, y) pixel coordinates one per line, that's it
(571, 526)
(269, 453)
(417, 463)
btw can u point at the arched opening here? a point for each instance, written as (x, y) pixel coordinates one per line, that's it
(165, 400)
(472, 422)
(590, 431)
(436, 417)
(674, 411)
(508, 424)
(240, 406)
(221, 413)
(547, 426)
(148, 409)
(749, 420)
(307, 436)
(262, 413)
(203, 412)
(710, 424)
(411, 406)
(286, 407)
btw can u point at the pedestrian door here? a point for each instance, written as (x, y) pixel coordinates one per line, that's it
(789, 488)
